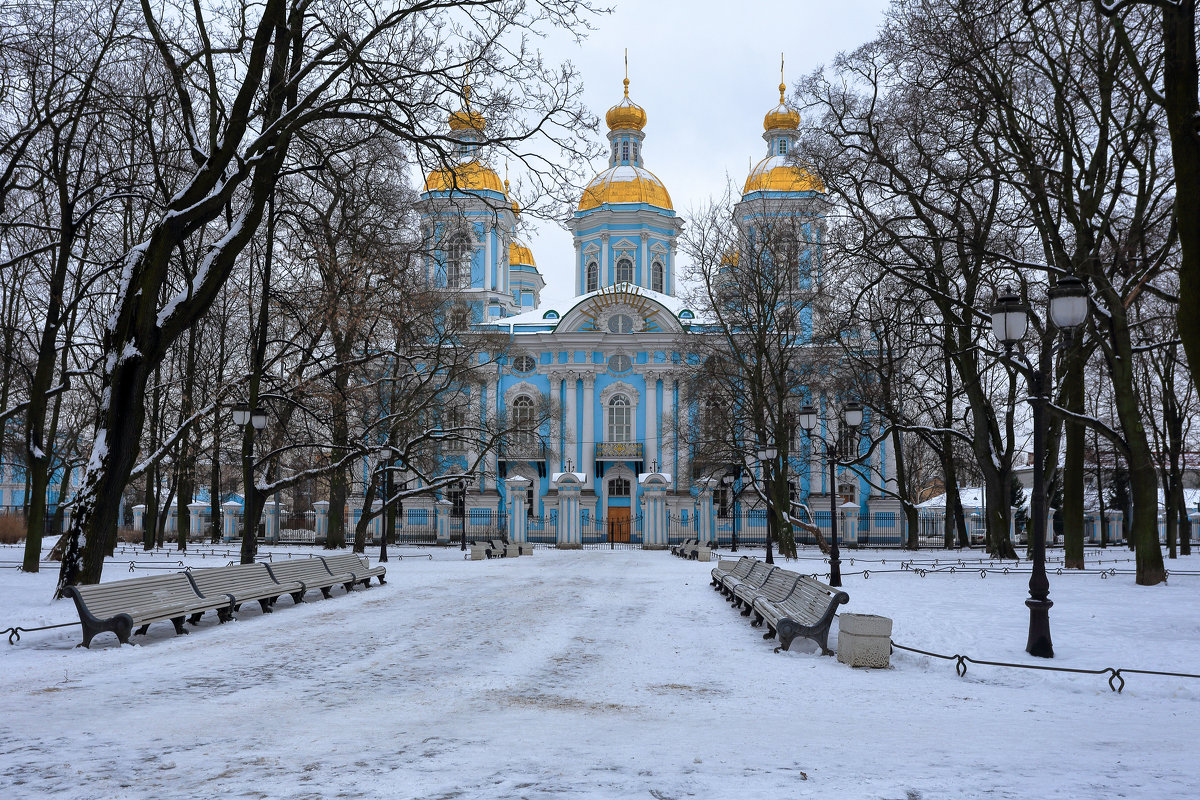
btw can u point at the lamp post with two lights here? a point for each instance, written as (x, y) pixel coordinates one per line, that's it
(852, 415)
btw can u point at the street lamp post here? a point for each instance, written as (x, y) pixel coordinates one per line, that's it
(766, 459)
(852, 415)
(386, 453)
(250, 419)
(1068, 306)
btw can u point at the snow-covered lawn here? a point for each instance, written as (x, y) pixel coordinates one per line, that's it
(603, 674)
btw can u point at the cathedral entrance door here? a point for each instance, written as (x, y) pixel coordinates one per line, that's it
(618, 524)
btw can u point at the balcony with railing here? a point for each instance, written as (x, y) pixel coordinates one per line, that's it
(523, 447)
(619, 451)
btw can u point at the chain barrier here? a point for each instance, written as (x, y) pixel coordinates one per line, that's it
(14, 633)
(1116, 680)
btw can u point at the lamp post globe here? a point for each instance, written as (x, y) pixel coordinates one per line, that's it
(807, 418)
(1010, 318)
(1068, 303)
(241, 413)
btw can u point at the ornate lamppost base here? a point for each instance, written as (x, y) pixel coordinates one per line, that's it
(1039, 643)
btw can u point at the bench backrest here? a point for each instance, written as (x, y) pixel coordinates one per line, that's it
(810, 600)
(216, 581)
(345, 562)
(300, 569)
(758, 574)
(779, 585)
(726, 565)
(743, 567)
(104, 600)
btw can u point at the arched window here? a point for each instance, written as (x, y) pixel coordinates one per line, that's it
(783, 147)
(625, 151)
(618, 487)
(620, 419)
(656, 277)
(846, 492)
(635, 152)
(593, 277)
(460, 318)
(624, 271)
(524, 436)
(458, 262)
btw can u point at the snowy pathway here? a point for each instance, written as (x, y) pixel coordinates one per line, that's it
(601, 675)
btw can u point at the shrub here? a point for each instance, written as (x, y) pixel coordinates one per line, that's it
(12, 528)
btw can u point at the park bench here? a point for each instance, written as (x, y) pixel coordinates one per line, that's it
(738, 569)
(678, 549)
(806, 612)
(505, 548)
(697, 552)
(118, 606)
(756, 577)
(243, 583)
(357, 565)
(779, 585)
(479, 551)
(312, 573)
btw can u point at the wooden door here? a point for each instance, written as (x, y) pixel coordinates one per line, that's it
(618, 524)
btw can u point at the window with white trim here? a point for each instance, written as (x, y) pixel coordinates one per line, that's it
(620, 363)
(657, 281)
(524, 364)
(593, 276)
(625, 151)
(618, 487)
(524, 436)
(458, 262)
(620, 419)
(624, 271)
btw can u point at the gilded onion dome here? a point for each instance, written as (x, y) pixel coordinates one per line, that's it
(519, 254)
(626, 115)
(625, 184)
(780, 174)
(468, 176)
(781, 117)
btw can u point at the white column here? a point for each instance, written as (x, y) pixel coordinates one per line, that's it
(646, 264)
(517, 487)
(491, 413)
(603, 260)
(651, 445)
(589, 427)
(570, 432)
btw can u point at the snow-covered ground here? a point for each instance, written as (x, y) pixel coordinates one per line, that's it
(604, 674)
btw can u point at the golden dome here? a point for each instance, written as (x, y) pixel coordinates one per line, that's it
(467, 120)
(467, 176)
(520, 254)
(625, 184)
(778, 174)
(626, 114)
(781, 117)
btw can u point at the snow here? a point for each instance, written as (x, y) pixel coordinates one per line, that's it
(642, 476)
(579, 476)
(602, 674)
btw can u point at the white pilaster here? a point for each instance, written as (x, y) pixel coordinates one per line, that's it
(589, 427)
(517, 487)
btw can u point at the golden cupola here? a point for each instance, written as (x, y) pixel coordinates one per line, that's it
(626, 181)
(781, 117)
(779, 172)
(626, 115)
(468, 173)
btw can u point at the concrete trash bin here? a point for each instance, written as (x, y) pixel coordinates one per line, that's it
(864, 640)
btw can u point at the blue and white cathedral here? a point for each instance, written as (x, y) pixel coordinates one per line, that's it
(614, 366)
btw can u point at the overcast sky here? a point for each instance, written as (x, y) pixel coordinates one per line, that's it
(706, 73)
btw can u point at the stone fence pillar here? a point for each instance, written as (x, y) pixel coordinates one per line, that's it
(570, 531)
(517, 520)
(231, 514)
(654, 517)
(442, 521)
(195, 513)
(848, 524)
(139, 517)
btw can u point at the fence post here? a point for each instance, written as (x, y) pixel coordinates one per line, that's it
(231, 512)
(441, 520)
(654, 518)
(321, 524)
(704, 521)
(569, 484)
(517, 521)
